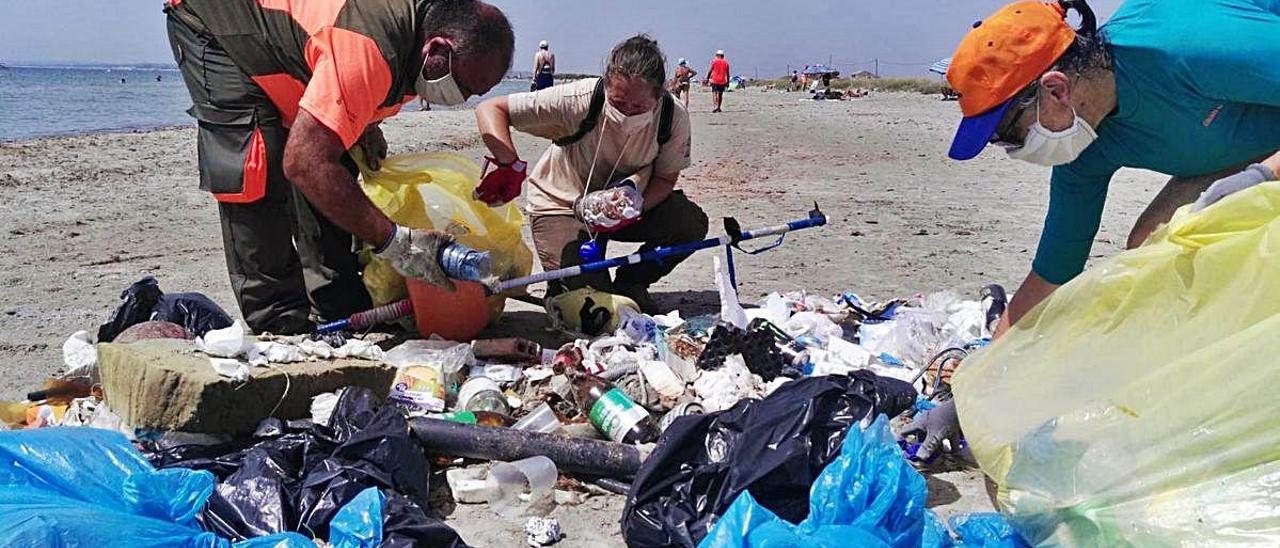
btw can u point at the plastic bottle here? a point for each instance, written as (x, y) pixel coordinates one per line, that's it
(463, 263)
(611, 411)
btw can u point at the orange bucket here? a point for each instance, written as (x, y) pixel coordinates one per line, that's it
(458, 315)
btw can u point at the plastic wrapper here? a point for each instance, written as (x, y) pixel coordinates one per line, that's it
(425, 370)
(86, 487)
(1143, 391)
(434, 190)
(606, 209)
(296, 476)
(774, 448)
(868, 496)
(143, 301)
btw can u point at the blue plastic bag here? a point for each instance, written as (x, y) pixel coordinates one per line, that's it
(359, 523)
(867, 497)
(90, 487)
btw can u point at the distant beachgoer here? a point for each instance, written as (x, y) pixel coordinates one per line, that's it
(718, 77)
(544, 67)
(122, 80)
(157, 77)
(795, 81)
(804, 78)
(282, 107)
(684, 75)
(826, 79)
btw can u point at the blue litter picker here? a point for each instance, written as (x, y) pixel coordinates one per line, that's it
(732, 239)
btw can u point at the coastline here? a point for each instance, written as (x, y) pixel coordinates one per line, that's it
(123, 130)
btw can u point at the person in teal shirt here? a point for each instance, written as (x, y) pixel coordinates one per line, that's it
(1188, 88)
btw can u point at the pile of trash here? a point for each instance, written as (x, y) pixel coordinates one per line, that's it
(690, 417)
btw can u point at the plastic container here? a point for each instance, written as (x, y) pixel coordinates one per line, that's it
(525, 483)
(543, 419)
(458, 315)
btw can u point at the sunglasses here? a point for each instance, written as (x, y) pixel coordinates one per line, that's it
(1004, 136)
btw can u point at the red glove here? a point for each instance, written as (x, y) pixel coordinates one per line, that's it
(502, 184)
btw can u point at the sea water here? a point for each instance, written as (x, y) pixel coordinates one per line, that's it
(49, 101)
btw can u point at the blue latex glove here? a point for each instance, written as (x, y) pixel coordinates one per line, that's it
(935, 425)
(1252, 175)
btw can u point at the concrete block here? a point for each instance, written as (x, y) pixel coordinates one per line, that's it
(166, 385)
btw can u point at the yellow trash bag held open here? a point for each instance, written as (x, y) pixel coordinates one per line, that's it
(433, 190)
(1138, 406)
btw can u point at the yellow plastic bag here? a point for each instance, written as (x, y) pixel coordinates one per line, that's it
(433, 190)
(1138, 405)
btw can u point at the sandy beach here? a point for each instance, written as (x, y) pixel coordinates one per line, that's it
(86, 216)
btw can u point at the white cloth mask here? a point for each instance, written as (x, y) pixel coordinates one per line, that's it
(1052, 148)
(440, 91)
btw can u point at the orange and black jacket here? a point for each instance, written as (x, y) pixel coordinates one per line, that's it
(348, 63)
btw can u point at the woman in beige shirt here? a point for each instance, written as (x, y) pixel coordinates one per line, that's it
(640, 136)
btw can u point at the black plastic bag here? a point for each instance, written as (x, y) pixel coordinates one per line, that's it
(294, 476)
(194, 311)
(774, 448)
(143, 301)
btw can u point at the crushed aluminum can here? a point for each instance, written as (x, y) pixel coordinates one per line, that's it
(542, 531)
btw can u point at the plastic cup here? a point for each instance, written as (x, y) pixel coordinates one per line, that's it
(542, 420)
(509, 483)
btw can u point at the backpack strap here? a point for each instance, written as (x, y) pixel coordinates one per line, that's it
(588, 123)
(664, 123)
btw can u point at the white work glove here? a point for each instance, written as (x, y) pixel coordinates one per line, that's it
(1252, 175)
(935, 425)
(415, 253)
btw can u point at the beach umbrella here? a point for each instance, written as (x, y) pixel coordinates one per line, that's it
(941, 66)
(819, 69)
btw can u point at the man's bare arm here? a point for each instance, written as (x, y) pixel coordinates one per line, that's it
(312, 162)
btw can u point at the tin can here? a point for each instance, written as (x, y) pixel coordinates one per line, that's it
(683, 409)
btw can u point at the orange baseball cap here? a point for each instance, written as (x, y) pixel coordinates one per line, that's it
(998, 58)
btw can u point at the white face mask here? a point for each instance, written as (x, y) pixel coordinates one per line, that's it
(1052, 148)
(441, 91)
(628, 124)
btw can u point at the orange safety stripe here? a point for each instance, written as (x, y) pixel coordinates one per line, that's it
(349, 79)
(311, 15)
(285, 91)
(254, 176)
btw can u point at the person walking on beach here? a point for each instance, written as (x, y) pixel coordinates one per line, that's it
(718, 77)
(283, 92)
(544, 67)
(624, 128)
(795, 81)
(1182, 87)
(683, 78)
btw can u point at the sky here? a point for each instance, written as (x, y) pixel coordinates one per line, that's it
(758, 36)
